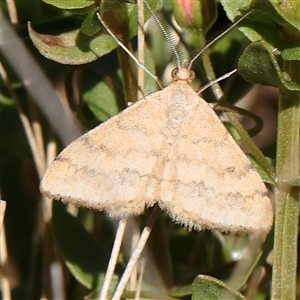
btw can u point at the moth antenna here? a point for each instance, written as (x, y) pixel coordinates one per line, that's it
(209, 84)
(169, 36)
(205, 47)
(128, 52)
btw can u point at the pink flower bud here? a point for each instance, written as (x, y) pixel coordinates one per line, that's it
(195, 14)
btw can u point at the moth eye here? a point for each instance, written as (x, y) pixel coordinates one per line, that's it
(174, 73)
(192, 75)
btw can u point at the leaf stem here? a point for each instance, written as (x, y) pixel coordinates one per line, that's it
(286, 195)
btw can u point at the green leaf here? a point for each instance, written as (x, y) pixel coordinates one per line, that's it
(94, 295)
(208, 288)
(107, 5)
(84, 257)
(269, 20)
(292, 52)
(5, 99)
(182, 291)
(91, 24)
(75, 47)
(102, 95)
(101, 98)
(70, 4)
(258, 64)
(233, 132)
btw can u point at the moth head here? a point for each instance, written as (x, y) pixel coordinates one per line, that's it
(183, 74)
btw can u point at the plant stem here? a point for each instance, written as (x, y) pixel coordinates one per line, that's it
(287, 196)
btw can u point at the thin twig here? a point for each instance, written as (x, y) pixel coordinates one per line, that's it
(2, 213)
(113, 259)
(136, 254)
(135, 236)
(141, 49)
(26, 124)
(4, 280)
(33, 77)
(140, 279)
(12, 11)
(128, 52)
(38, 134)
(51, 153)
